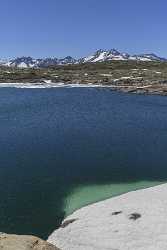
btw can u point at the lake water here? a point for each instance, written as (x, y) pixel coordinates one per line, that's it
(63, 148)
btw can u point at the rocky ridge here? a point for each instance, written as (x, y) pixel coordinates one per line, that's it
(98, 56)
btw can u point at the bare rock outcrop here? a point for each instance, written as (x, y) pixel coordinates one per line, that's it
(21, 242)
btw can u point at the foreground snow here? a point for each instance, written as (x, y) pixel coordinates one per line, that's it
(49, 84)
(133, 221)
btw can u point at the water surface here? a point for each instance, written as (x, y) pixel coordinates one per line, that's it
(64, 148)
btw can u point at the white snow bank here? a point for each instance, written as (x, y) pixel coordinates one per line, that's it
(133, 221)
(50, 84)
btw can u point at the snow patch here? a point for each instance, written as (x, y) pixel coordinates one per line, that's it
(133, 221)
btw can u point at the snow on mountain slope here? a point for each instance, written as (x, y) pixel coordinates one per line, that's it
(107, 55)
(104, 55)
(147, 57)
(98, 56)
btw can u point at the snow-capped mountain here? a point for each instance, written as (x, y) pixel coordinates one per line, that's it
(67, 60)
(105, 55)
(98, 56)
(29, 62)
(108, 55)
(148, 57)
(22, 62)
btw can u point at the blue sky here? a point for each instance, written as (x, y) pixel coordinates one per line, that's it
(41, 28)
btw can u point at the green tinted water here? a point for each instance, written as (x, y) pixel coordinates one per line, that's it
(85, 195)
(61, 149)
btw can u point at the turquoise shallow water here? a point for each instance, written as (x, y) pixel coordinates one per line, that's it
(63, 148)
(86, 195)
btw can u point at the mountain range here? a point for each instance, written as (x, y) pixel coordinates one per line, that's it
(98, 56)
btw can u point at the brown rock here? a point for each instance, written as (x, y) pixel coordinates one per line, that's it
(21, 242)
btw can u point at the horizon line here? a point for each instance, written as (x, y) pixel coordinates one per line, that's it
(75, 57)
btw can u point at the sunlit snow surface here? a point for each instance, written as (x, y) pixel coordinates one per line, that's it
(47, 84)
(133, 221)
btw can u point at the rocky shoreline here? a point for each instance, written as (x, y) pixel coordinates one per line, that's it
(136, 89)
(23, 242)
(151, 89)
(127, 76)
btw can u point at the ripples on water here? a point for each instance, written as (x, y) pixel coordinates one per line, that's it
(63, 148)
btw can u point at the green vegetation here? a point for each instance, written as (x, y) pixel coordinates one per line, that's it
(129, 76)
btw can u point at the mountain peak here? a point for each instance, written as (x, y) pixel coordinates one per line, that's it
(114, 52)
(100, 55)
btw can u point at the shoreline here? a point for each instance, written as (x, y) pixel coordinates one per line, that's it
(50, 85)
(148, 89)
(131, 221)
(130, 76)
(88, 195)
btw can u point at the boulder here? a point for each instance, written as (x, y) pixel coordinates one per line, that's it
(16, 242)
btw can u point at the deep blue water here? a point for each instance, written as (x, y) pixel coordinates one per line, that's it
(53, 140)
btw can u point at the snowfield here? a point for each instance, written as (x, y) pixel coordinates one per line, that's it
(133, 221)
(50, 84)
